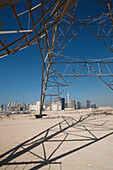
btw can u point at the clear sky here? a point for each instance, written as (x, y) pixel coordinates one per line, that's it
(20, 74)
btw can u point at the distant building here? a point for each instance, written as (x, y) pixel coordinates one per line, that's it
(32, 107)
(62, 101)
(56, 106)
(88, 104)
(82, 107)
(27, 107)
(93, 106)
(65, 105)
(36, 107)
(78, 105)
(72, 104)
(15, 105)
(18, 107)
(1, 107)
(10, 106)
(67, 99)
(48, 108)
(23, 106)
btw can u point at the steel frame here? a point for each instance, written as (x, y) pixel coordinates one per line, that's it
(52, 24)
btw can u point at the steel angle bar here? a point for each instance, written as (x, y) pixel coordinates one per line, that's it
(33, 8)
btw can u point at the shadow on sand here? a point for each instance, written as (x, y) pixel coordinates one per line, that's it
(68, 130)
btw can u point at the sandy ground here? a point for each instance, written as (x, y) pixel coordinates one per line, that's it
(60, 141)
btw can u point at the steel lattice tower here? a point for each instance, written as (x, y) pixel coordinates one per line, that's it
(52, 24)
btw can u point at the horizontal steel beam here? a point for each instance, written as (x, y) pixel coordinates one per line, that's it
(17, 31)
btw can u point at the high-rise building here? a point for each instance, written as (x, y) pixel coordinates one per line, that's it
(15, 104)
(10, 106)
(62, 101)
(27, 107)
(24, 106)
(38, 105)
(68, 99)
(72, 104)
(78, 105)
(88, 104)
(18, 107)
(1, 107)
(65, 105)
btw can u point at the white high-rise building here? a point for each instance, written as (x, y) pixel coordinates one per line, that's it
(68, 99)
(38, 105)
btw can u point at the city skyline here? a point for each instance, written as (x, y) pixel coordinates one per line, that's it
(67, 99)
(55, 105)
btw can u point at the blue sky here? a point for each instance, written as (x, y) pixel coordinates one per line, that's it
(20, 73)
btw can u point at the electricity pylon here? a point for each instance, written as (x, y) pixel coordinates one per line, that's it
(52, 24)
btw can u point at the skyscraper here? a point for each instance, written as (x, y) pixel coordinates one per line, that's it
(62, 101)
(68, 99)
(78, 105)
(72, 104)
(1, 107)
(24, 106)
(88, 104)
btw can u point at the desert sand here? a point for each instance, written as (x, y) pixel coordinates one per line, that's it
(64, 140)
